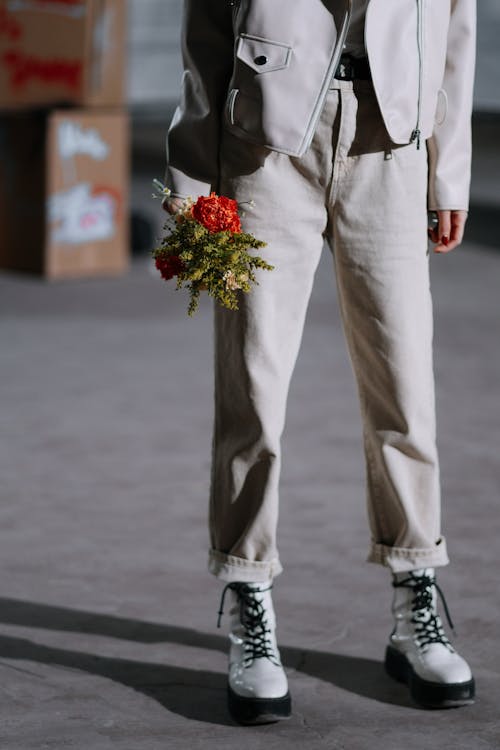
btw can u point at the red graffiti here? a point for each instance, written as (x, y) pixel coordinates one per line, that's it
(24, 68)
(115, 193)
(9, 27)
(89, 220)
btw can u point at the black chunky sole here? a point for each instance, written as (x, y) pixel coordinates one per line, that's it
(425, 693)
(258, 710)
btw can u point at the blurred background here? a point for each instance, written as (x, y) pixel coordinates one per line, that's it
(108, 619)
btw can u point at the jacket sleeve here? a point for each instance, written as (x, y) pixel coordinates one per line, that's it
(194, 133)
(450, 145)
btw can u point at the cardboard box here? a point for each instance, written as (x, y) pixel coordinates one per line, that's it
(64, 193)
(55, 52)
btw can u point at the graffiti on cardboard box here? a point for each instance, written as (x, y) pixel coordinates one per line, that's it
(24, 68)
(74, 140)
(83, 214)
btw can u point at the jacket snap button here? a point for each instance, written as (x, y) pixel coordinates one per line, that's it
(260, 60)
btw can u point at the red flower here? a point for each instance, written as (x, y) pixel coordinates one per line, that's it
(169, 266)
(217, 213)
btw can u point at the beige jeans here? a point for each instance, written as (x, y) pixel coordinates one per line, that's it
(367, 198)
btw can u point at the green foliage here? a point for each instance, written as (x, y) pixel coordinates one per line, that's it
(216, 262)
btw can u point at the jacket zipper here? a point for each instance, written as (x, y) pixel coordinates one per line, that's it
(415, 136)
(334, 61)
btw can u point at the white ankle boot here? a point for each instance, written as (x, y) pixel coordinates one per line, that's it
(419, 652)
(257, 686)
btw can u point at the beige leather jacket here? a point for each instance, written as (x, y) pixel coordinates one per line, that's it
(261, 68)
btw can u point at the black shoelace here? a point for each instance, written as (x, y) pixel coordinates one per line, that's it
(428, 625)
(257, 642)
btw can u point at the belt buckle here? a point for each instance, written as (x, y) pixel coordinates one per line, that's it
(345, 70)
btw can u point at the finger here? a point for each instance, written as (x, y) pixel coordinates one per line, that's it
(166, 205)
(444, 226)
(455, 240)
(457, 224)
(458, 219)
(171, 205)
(444, 231)
(433, 234)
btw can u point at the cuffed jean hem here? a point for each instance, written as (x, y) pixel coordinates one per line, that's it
(231, 569)
(402, 559)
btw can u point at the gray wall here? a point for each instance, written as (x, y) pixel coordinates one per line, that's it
(487, 91)
(155, 67)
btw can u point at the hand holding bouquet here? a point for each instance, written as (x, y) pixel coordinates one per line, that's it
(205, 249)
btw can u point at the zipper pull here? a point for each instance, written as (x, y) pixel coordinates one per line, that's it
(415, 136)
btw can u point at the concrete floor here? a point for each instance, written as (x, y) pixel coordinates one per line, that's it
(107, 616)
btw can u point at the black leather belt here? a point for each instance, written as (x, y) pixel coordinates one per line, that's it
(352, 68)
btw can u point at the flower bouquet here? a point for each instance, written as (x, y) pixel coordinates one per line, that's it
(205, 249)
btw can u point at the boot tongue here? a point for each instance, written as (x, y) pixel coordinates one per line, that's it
(417, 573)
(262, 591)
(264, 586)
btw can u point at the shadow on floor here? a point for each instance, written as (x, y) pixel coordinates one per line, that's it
(191, 693)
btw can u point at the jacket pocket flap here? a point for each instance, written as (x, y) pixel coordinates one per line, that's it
(263, 55)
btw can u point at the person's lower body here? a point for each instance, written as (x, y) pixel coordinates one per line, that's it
(367, 198)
